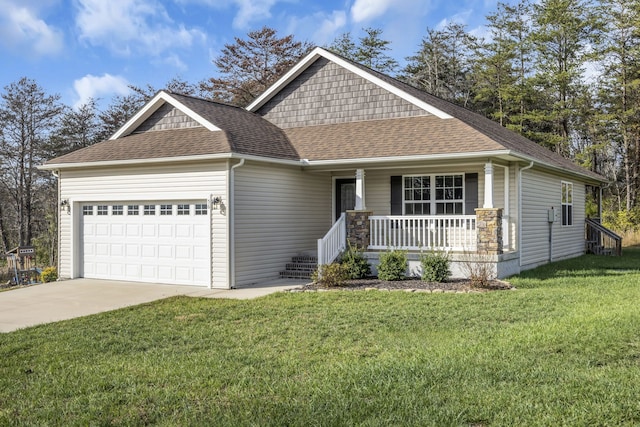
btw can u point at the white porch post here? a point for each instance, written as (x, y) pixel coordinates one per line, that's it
(488, 186)
(360, 204)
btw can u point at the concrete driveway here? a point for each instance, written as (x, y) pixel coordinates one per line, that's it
(51, 302)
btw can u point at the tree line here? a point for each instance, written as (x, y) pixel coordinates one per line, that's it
(563, 73)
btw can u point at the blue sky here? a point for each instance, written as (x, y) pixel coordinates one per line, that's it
(95, 48)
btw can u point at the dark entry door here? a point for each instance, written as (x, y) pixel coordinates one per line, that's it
(345, 195)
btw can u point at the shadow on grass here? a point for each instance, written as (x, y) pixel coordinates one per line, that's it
(592, 266)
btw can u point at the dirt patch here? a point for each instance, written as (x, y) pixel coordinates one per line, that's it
(453, 285)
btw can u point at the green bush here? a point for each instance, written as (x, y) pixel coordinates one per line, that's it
(435, 266)
(49, 274)
(330, 275)
(355, 263)
(393, 265)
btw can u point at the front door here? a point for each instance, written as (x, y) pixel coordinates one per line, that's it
(345, 195)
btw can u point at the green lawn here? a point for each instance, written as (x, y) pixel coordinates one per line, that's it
(563, 349)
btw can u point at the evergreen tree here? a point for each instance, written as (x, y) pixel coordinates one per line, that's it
(27, 117)
(563, 31)
(443, 66)
(249, 66)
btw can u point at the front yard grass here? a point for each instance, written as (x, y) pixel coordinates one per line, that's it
(563, 349)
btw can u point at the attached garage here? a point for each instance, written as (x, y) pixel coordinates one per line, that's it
(158, 242)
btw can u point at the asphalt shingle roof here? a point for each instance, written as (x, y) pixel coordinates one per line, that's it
(244, 132)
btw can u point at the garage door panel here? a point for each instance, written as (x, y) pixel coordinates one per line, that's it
(149, 251)
(149, 248)
(149, 230)
(165, 230)
(133, 230)
(117, 230)
(117, 250)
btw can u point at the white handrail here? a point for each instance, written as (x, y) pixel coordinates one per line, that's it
(440, 232)
(334, 242)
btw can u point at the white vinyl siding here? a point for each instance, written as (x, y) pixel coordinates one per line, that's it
(541, 192)
(121, 184)
(279, 212)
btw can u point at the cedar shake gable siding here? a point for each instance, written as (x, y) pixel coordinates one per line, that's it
(325, 93)
(168, 132)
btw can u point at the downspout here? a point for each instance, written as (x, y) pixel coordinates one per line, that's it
(56, 174)
(231, 222)
(520, 210)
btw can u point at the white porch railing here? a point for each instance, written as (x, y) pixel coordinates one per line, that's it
(455, 232)
(334, 242)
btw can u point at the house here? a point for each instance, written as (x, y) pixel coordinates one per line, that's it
(195, 192)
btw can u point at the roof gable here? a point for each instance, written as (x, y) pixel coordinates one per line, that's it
(152, 106)
(319, 52)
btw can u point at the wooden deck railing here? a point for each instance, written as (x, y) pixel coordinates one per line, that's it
(439, 232)
(600, 240)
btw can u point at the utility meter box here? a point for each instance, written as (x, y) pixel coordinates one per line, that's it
(551, 214)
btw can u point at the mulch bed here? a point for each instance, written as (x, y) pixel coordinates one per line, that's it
(412, 285)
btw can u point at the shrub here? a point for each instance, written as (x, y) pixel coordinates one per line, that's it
(435, 266)
(356, 265)
(330, 275)
(478, 268)
(393, 265)
(49, 274)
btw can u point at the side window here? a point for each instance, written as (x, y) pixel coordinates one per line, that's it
(87, 210)
(201, 209)
(567, 203)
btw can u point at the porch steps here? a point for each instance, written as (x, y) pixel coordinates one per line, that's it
(300, 267)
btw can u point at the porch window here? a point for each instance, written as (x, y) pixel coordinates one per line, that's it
(449, 194)
(567, 203)
(434, 194)
(417, 195)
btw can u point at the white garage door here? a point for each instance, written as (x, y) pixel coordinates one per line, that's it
(164, 242)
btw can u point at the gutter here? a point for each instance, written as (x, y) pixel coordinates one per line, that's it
(520, 210)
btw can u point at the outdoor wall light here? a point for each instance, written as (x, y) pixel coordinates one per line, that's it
(216, 202)
(64, 204)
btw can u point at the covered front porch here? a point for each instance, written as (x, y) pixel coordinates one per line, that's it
(467, 214)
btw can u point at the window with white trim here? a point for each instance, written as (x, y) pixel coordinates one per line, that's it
(201, 208)
(417, 195)
(166, 209)
(133, 210)
(87, 210)
(149, 209)
(449, 194)
(103, 210)
(567, 203)
(433, 194)
(117, 210)
(183, 209)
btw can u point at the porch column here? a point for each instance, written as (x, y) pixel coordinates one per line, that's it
(488, 186)
(489, 230)
(358, 228)
(360, 205)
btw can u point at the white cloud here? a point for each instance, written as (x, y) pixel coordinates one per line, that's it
(365, 10)
(132, 26)
(91, 86)
(21, 29)
(330, 27)
(252, 10)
